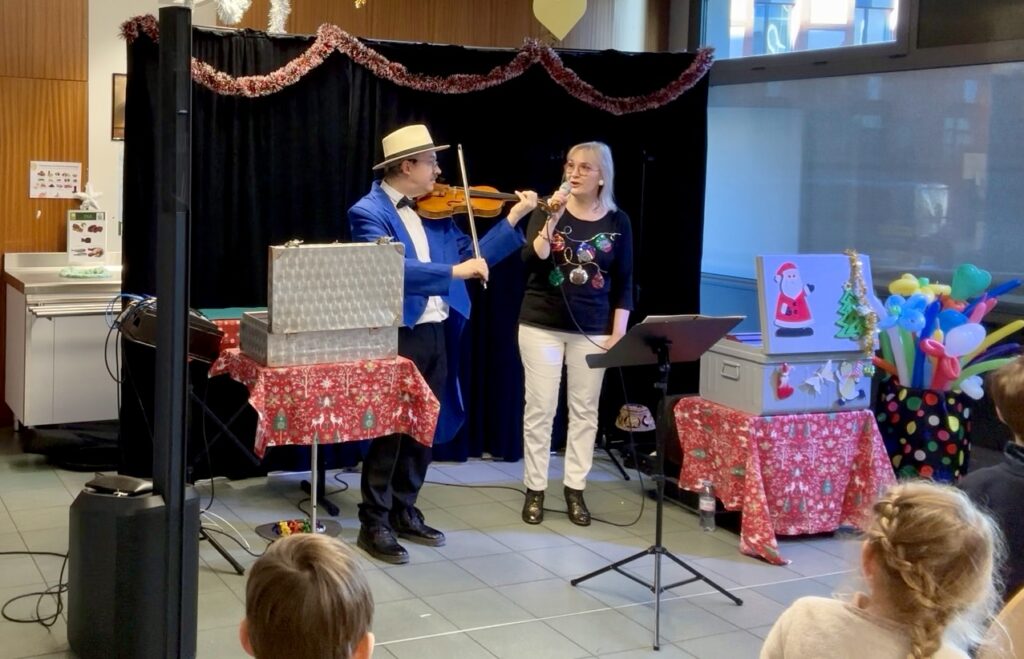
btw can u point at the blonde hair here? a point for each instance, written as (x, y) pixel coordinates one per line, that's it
(936, 556)
(307, 597)
(605, 191)
(1006, 386)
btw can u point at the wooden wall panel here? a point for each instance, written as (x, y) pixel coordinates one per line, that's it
(37, 123)
(497, 23)
(43, 116)
(466, 22)
(44, 39)
(659, 21)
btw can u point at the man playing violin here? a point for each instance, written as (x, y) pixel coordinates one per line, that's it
(438, 259)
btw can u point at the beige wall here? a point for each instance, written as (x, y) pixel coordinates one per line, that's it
(107, 56)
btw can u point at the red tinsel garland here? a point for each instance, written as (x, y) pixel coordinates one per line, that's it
(330, 38)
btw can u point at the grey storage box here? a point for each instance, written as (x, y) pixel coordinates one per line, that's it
(318, 347)
(741, 376)
(335, 287)
(808, 356)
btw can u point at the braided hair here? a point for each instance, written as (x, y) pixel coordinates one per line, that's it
(935, 555)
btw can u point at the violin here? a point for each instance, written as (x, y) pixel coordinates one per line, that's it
(447, 200)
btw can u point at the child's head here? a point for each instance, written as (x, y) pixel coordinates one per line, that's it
(307, 597)
(1006, 386)
(930, 556)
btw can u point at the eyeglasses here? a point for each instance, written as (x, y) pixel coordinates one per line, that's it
(430, 163)
(584, 168)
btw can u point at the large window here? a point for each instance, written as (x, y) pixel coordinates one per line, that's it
(922, 170)
(745, 28)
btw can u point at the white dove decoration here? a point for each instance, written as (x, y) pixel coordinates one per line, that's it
(88, 198)
(821, 376)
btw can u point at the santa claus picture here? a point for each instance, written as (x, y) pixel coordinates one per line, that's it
(792, 311)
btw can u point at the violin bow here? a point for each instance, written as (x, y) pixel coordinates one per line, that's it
(469, 208)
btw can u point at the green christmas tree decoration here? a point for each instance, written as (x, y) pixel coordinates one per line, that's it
(850, 322)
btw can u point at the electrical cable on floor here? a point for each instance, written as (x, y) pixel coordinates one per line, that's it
(53, 591)
(230, 525)
(247, 550)
(329, 493)
(338, 475)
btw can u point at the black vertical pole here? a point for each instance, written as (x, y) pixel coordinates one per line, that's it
(174, 190)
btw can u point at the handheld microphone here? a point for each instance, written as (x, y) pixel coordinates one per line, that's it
(565, 188)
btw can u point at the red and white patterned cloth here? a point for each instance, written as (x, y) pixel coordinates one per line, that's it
(231, 328)
(339, 402)
(789, 475)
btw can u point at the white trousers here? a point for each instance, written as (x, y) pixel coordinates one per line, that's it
(543, 351)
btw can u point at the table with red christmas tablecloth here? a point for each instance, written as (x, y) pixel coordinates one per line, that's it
(789, 474)
(338, 402)
(231, 328)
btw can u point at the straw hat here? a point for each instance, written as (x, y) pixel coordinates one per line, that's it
(407, 142)
(634, 418)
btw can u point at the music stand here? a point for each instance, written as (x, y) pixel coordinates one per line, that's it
(662, 340)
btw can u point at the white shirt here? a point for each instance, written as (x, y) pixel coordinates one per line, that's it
(437, 309)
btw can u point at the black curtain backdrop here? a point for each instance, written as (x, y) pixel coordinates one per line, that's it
(289, 165)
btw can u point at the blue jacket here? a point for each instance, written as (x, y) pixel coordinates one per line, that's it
(374, 216)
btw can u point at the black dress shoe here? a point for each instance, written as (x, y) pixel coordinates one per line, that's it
(578, 513)
(379, 542)
(533, 507)
(409, 525)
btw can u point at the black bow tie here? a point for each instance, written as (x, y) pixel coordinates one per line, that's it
(405, 201)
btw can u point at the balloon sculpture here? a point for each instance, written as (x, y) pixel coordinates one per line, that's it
(932, 336)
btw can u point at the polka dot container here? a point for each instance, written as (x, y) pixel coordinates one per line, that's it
(927, 433)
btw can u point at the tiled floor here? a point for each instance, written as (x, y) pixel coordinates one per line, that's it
(499, 588)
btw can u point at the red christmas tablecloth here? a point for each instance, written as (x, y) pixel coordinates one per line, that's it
(231, 328)
(338, 402)
(789, 475)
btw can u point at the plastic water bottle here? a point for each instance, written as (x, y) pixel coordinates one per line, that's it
(707, 507)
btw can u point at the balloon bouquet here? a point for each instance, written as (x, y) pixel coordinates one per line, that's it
(931, 334)
(935, 349)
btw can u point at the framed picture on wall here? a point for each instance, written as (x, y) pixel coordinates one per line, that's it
(120, 82)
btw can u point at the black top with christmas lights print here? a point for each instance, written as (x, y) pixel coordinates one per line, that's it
(590, 268)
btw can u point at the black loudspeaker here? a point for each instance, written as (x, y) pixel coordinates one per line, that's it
(117, 558)
(139, 324)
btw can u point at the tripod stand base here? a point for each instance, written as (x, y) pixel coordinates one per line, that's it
(656, 587)
(204, 535)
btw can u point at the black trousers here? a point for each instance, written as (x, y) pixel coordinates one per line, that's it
(396, 465)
